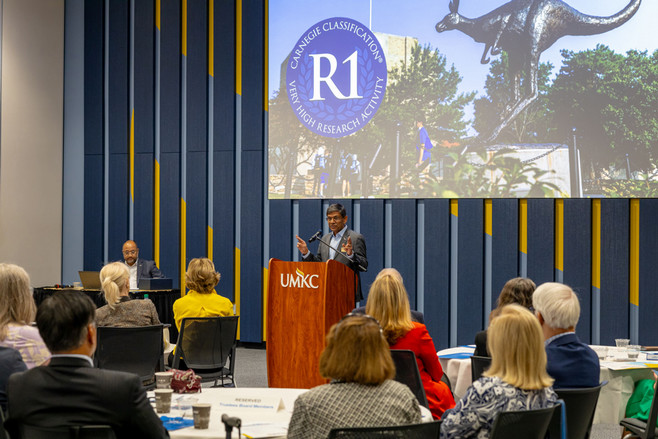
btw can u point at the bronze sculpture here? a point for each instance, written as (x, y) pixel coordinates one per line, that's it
(524, 29)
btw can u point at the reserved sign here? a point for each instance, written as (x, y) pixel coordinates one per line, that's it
(271, 404)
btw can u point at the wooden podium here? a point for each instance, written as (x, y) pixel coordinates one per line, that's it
(304, 299)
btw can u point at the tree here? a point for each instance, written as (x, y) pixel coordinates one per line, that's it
(612, 101)
(532, 125)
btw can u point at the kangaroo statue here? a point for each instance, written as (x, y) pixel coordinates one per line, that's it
(524, 29)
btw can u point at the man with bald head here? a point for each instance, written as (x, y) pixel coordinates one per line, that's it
(138, 268)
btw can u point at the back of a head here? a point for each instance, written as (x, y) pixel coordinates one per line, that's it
(357, 352)
(389, 304)
(114, 277)
(62, 320)
(516, 343)
(558, 305)
(518, 290)
(16, 301)
(201, 275)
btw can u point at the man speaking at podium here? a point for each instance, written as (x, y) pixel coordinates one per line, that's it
(350, 246)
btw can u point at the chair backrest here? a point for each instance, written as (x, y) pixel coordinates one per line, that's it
(135, 349)
(478, 366)
(427, 430)
(406, 372)
(206, 342)
(73, 432)
(580, 406)
(524, 424)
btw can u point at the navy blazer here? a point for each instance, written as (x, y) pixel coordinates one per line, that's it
(147, 270)
(572, 363)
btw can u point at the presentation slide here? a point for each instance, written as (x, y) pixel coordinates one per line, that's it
(456, 99)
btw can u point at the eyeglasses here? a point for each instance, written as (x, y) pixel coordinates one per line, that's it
(130, 252)
(334, 219)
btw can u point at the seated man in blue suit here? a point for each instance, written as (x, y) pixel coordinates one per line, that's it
(569, 361)
(138, 268)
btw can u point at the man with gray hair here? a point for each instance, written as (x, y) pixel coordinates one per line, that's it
(569, 361)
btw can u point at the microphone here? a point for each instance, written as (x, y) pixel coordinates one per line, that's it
(317, 235)
(230, 421)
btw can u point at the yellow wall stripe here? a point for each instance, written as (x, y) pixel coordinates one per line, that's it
(634, 275)
(488, 217)
(266, 280)
(559, 234)
(266, 60)
(132, 156)
(156, 214)
(523, 226)
(596, 243)
(209, 242)
(454, 207)
(183, 244)
(236, 291)
(211, 38)
(238, 47)
(184, 28)
(157, 13)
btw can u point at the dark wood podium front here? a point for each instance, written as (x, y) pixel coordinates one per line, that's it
(304, 299)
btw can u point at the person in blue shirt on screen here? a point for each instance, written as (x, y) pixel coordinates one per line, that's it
(424, 145)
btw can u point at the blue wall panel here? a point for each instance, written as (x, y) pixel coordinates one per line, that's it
(282, 241)
(224, 219)
(541, 240)
(614, 270)
(93, 246)
(196, 214)
(311, 219)
(437, 271)
(144, 204)
(578, 259)
(504, 244)
(470, 282)
(372, 228)
(648, 301)
(403, 239)
(170, 216)
(119, 115)
(118, 204)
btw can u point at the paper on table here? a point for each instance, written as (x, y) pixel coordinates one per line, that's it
(263, 430)
(625, 365)
(458, 352)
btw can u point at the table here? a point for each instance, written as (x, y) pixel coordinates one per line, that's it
(252, 420)
(621, 377)
(162, 299)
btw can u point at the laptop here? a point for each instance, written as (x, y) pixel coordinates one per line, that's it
(90, 280)
(151, 284)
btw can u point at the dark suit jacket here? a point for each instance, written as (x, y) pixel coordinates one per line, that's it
(481, 344)
(70, 392)
(572, 363)
(147, 270)
(416, 316)
(359, 256)
(10, 363)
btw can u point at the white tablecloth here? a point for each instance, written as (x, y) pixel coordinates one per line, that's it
(259, 419)
(611, 407)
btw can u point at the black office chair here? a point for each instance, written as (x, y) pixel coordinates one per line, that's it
(406, 372)
(3, 432)
(74, 432)
(524, 424)
(478, 366)
(641, 429)
(427, 430)
(205, 345)
(134, 349)
(580, 406)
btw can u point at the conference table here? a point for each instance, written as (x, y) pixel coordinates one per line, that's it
(265, 412)
(162, 299)
(621, 377)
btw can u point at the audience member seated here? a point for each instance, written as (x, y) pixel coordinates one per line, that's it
(570, 362)
(518, 290)
(416, 316)
(517, 379)
(388, 303)
(138, 268)
(70, 391)
(202, 300)
(17, 311)
(120, 309)
(361, 392)
(10, 363)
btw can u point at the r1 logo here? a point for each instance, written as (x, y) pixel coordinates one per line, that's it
(336, 77)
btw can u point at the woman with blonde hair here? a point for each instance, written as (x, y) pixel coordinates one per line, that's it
(202, 300)
(388, 303)
(17, 311)
(361, 392)
(120, 309)
(517, 379)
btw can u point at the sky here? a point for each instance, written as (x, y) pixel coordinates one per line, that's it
(288, 19)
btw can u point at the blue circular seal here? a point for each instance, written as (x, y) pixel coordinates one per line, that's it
(336, 77)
